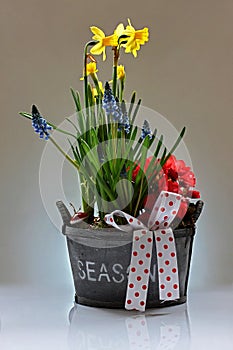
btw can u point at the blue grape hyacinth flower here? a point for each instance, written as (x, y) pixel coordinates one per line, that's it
(124, 119)
(146, 130)
(39, 124)
(110, 104)
(125, 122)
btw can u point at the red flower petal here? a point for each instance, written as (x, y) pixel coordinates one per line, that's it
(194, 194)
(173, 186)
(163, 183)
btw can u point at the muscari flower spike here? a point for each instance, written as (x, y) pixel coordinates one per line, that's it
(110, 104)
(146, 130)
(124, 120)
(39, 124)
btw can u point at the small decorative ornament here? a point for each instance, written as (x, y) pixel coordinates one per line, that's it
(78, 217)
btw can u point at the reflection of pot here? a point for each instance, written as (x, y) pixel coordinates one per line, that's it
(114, 329)
(100, 262)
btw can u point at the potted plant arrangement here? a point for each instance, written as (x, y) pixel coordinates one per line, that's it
(130, 244)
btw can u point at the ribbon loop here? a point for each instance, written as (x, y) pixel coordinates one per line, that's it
(164, 211)
(133, 222)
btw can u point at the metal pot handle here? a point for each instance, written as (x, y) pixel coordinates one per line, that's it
(199, 206)
(65, 214)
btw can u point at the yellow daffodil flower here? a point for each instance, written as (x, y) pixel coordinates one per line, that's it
(121, 72)
(103, 41)
(94, 90)
(91, 69)
(136, 38)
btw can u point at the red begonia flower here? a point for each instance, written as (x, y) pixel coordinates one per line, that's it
(194, 194)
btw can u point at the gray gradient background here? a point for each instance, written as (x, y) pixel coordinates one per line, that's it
(185, 72)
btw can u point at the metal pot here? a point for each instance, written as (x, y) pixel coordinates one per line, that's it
(100, 262)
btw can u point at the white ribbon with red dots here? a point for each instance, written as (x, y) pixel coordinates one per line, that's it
(163, 213)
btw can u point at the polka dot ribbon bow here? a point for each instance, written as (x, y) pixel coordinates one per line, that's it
(163, 213)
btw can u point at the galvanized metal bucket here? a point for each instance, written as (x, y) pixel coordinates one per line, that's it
(100, 262)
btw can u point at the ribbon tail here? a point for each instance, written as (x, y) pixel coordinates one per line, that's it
(138, 278)
(167, 265)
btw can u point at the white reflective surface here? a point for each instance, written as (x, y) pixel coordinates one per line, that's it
(33, 319)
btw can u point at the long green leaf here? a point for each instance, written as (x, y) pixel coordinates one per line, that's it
(132, 101)
(75, 127)
(76, 99)
(80, 114)
(127, 151)
(136, 111)
(176, 144)
(159, 145)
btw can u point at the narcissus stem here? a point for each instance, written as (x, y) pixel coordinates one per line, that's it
(85, 56)
(114, 73)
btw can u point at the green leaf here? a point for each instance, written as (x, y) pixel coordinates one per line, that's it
(127, 152)
(142, 160)
(180, 137)
(26, 115)
(159, 145)
(132, 101)
(163, 155)
(80, 114)
(147, 142)
(72, 123)
(136, 110)
(75, 153)
(76, 98)
(90, 154)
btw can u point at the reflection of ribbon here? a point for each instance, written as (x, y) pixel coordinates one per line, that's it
(138, 334)
(140, 338)
(163, 213)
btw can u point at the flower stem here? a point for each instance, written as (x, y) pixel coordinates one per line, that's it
(114, 73)
(64, 154)
(85, 56)
(136, 211)
(96, 82)
(122, 85)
